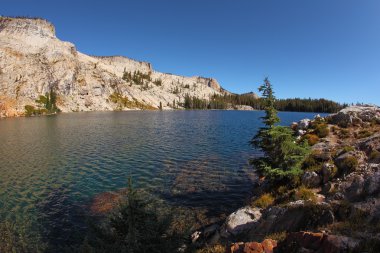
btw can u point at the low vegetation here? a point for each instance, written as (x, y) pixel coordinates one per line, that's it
(123, 102)
(138, 78)
(263, 201)
(46, 105)
(303, 193)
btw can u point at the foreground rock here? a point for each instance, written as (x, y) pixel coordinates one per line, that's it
(266, 246)
(294, 216)
(316, 242)
(240, 221)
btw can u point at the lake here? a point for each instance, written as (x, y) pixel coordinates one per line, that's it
(52, 167)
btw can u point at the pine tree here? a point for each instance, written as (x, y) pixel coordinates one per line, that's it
(271, 117)
(282, 155)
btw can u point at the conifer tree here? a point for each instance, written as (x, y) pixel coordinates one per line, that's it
(282, 155)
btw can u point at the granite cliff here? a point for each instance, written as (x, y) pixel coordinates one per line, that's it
(34, 62)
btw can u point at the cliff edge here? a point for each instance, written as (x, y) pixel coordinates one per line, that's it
(34, 62)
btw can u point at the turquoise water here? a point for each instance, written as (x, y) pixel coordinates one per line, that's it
(52, 167)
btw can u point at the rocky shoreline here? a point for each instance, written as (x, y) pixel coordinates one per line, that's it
(340, 213)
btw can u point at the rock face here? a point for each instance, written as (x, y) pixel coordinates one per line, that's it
(33, 61)
(240, 221)
(355, 115)
(294, 216)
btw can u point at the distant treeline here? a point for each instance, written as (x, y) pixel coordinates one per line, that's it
(290, 104)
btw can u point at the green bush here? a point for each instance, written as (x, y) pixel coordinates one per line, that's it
(263, 201)
(344, 134)
(374, 156)
(303, 193)
(321, 130)
(312, 139)
(123, 102)
(347, 149)
(363, 134)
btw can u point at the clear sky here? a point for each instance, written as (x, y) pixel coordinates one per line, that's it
(307, 48)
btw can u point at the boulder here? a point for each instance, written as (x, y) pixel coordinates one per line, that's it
(370, 144)
(207, 235)
(360, 184)
(303, 124)
(316, 242)
(294, 216)
(240, 221)
(311, 179)
(328, 171)
(266, 246)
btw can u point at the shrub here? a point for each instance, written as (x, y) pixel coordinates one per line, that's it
(334, 129)
(344, 133)
(311, 139)
(348, 164)
(278, 236)
(303, 193)
(264, 201)
(158, 82)
(29, 110)
(321, 130)
(347, 149)
(123, 102)
(363, 134)
(213, 249)
(374, 156)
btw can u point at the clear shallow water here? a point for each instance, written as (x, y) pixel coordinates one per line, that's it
(52, 167)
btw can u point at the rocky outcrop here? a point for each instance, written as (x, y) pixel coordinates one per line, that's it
(294, 216)
(356, 115)
(33, 61)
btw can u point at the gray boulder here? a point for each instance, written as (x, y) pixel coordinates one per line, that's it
(303, 124)
(240, 221)
(328, 170)
(356, 115)
(311, 179)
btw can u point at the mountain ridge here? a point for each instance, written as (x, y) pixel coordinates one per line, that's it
(33, 62)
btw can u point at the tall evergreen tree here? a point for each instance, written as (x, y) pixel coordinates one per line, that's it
(282, 155)
(271, 117)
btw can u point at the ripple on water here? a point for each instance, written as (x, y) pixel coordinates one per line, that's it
(52, 167)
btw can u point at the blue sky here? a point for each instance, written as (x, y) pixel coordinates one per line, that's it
(307, 48)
